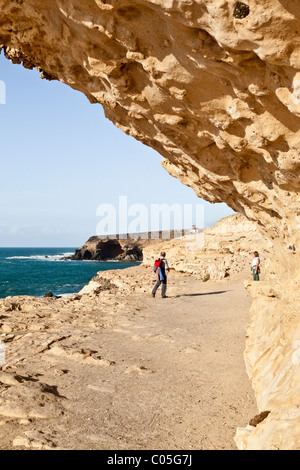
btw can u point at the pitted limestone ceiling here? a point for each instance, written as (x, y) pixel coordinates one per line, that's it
(212, 85)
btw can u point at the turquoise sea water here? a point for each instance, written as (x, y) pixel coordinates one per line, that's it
(35, 271)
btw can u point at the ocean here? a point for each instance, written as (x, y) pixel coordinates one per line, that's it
(36, 271)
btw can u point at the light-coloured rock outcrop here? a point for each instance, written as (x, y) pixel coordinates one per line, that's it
(213, 86)
(126, 247)
(216, 253)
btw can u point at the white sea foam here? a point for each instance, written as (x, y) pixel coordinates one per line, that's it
(42, 257)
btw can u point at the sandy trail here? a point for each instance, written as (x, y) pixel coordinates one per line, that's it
(145, 374)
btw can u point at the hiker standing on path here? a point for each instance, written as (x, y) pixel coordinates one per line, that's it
(255, 266)
(161, 269)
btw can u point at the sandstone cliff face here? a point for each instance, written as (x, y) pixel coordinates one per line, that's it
(213, 85)
(215, 253)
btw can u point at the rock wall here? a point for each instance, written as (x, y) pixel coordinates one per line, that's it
(124, 247)
(215, 253)
(273, 357)
(214, 86)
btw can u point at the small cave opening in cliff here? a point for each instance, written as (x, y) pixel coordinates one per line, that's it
(110, 249)
(241, 10)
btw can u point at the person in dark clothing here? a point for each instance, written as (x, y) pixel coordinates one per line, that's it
(161, 268)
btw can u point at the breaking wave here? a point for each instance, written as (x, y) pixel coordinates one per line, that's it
(59, 257)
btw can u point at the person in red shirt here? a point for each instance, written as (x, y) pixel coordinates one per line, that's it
(161, 268)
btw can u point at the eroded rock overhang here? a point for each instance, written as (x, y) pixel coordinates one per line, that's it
(213, 86)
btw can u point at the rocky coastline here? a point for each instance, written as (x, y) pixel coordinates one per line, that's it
(54, 345)
(213, 253)
(128, 247)
(96, 249)
(88, 371)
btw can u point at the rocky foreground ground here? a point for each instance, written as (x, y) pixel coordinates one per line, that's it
(117, 369)
(113, 368)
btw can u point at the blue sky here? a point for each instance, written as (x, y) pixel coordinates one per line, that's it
(61, 158)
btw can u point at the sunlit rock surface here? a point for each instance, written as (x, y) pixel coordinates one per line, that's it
(214, 87)
(219, 252)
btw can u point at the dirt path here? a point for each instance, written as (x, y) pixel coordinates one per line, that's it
(155, 374)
